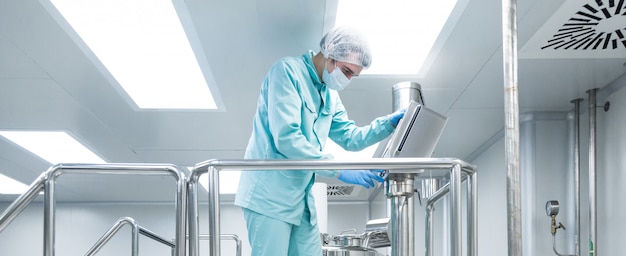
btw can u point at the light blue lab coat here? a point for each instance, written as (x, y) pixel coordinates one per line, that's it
(295, 115)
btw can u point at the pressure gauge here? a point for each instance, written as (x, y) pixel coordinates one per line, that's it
(552, 207)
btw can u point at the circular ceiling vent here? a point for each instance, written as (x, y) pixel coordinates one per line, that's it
(598, 24)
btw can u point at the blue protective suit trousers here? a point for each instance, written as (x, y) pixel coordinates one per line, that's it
(272, 237)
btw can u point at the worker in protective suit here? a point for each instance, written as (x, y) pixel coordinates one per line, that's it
(297, 111)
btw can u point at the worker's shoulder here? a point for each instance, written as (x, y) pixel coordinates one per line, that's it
(290, 61)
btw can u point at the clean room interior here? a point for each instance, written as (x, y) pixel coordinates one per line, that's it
(51, 80)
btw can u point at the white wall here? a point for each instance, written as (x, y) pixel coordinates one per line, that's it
(611, 171)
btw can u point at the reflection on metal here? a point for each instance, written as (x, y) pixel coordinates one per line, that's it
(377, 233)
(400, 190)
(47, 181)
(412, 166)
(511, 128)
(404, 92)
(135, 229)
(577, 175)
(226, 237)
(593, 246)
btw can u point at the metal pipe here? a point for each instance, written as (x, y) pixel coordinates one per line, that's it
(192, 187)
(429, 230)
(112, 231)
(430, 208)
(577, 175)
(227, 236)
(214, 210)
(394, 165)
(400, 190)
(455, 211)
(593, 246)
(472, 215)
(509, 51)
(49, 213)
(22, 202)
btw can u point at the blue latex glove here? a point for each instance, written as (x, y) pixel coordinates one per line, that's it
(396, 116)
(364, 178)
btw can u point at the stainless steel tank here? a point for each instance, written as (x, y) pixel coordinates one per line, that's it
(348, 245)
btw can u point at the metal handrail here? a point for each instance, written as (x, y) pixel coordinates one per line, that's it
(226, 236)
(393, 165)
(136, 230)
(47, 181)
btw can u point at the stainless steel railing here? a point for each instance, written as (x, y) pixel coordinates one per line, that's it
(136, 231)
(225, 237)
(47, 181)
(394, 165)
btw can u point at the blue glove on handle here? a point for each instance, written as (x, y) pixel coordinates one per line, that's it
(396, 116)
(361, 177)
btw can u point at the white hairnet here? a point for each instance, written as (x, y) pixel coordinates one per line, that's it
(346, 44)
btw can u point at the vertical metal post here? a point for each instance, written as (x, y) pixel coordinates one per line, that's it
(430, 243)
(509, 51)
(456, 235)
(593, 246)
(400, 189)
(472, 215)
(181, 212)
(48, 216)
(214, 211)
(135, 239)
(577, 175)
(192, 199)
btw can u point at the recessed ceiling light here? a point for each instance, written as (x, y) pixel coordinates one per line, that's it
(144, 47)
(11, 186)
(401, 33)
(229, 181)
(53, 146)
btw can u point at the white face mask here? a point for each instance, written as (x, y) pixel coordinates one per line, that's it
(336, 80)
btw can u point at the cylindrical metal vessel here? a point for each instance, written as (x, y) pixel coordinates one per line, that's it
(404, 92)
(348, 245)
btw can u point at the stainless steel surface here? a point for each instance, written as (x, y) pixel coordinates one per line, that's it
(348, 251)
(576, 158)
(136, 230)
(347, 240)
(47, 182)
(400, 190)
(404, 92)
(226, 237)
(377, 233)
(214, 166)
(455, 209)
(511, 116)
(472, 216)
(593, 207)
